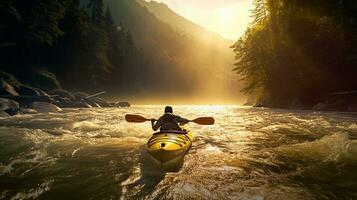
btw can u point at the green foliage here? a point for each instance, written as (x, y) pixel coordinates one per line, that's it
(9, 79)
(297, 51)
(96, 11)
(42, 22)
(45, 80)
(63, 38)
(260, 12)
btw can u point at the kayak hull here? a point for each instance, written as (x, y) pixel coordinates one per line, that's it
(168, 146)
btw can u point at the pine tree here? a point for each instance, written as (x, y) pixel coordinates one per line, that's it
(259, 13)
(96, 12)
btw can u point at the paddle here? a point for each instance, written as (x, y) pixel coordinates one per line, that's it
(141, 119)
(204, 120)
(135, 118)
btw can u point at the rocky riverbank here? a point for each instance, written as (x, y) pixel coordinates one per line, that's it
(25, 99)
(345, 101)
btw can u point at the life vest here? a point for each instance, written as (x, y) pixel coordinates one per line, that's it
(168, 118)
(169, 122)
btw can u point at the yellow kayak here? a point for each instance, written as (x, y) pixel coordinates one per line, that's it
(165, 146)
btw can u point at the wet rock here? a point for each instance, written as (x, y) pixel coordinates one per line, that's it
(67, 103)
(31, 94)
(80, 96)
(85, 102)
(28, 111)
(31, 91)
(338, 105)
(63, 98)
(63, 102)
(25, 101)
(262, 103)
(100, 101)
(41, 92)
(44, 107)
(60, 93)
(9, 106)
(122, 104)
(92, 103)
(28, 91)
(4, 114)
(7, 89)
(81, 104)
(320, 106)
(345, 101)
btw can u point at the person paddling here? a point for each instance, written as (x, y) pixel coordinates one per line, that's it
(168, 121)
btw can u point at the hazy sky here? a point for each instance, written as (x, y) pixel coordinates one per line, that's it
(229, 18)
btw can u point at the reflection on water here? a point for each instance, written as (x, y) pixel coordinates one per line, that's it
(249, 153)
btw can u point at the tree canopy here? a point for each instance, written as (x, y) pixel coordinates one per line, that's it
(298, 51)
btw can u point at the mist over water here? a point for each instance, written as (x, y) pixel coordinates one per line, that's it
(249, 153)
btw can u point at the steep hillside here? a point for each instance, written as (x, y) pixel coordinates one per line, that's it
(179, 23)
(179, 50)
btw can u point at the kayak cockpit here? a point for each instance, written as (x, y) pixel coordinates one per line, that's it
(169, 144)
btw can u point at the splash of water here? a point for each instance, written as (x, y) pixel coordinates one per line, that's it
(249, 153)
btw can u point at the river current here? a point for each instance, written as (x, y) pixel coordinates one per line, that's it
(250, 153)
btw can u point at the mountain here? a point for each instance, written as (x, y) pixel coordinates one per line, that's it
(131, 49)
(180, 24)
(184, 56)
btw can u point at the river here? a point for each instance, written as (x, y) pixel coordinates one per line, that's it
(250, 153)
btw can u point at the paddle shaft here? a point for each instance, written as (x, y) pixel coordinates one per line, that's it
(141, 119)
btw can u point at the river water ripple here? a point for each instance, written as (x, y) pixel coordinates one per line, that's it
(249, 153)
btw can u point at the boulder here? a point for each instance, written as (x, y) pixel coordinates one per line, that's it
(92, 103)
(81, 104)
(100, 101)
(338, 105)
(28, 91)
(44, 107)
(320, 106)
(9, 106)
(4, 114)
(28, 111)
(80, 96)
(31, 91)
(261, 103)
(122, 104)
(63, 94)
(62, 102)
(31, 94)
(7, 89)
(66, 103)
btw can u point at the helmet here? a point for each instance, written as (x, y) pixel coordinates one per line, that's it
(168, 109)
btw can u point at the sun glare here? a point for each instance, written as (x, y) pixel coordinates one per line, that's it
(226, 14)
(229, 18)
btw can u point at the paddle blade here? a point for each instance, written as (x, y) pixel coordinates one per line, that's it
(204, 120)
(135, 118)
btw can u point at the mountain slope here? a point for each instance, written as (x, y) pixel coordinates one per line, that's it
(182, 59)
(179, 23)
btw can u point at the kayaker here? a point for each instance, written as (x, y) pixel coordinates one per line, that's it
(168, 121)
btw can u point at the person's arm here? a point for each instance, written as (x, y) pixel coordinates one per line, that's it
(156, 125)
(182, 120)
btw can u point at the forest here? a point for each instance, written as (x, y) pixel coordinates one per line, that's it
(297, 53)
(49, 43)
(120, 47)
